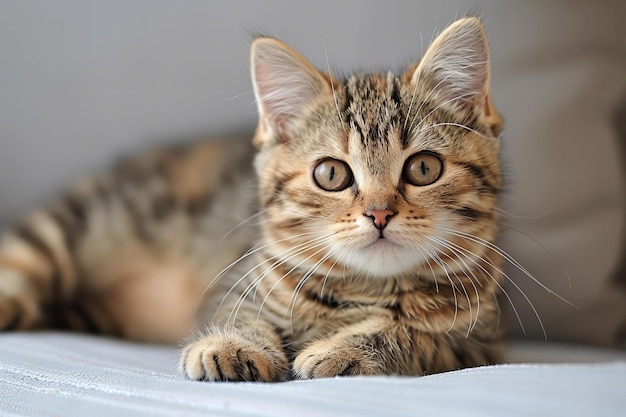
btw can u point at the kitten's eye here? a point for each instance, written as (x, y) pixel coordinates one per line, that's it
(423, 168)
(332, 175)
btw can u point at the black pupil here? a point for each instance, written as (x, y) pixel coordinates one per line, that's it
(332, 174)
(424, 168)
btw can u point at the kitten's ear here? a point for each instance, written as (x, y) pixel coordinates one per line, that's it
(456, 67)
(284, 85)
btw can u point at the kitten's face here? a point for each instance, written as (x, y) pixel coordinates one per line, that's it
(376, 175)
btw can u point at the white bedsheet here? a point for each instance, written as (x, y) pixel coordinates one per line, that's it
(50, 374)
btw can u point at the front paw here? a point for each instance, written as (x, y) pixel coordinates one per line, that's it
(324, 359)
(232, 357)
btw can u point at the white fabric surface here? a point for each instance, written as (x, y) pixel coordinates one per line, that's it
(50, 374)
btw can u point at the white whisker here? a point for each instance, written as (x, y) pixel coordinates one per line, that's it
(435, 257)
(500, 287)
(332, 86)
(505, 275)
(465, 269)
(510, 259)
(305, 278)
(282, 259)
(248, 253)
(517, 216)
(241, 223)
(567, 276)
(424, 118)
(281, 262)
(424, 129)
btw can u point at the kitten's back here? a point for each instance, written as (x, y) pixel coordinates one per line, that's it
(129, 252)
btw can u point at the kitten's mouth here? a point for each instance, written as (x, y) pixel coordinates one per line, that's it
(381, 243)
(384, 257)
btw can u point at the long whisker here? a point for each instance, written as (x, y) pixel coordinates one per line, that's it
(435, 257)
(332, 86)
(241, 223)
(423, 100)
(283, 258)
(469, 255)
(426, 128)
(465, 269)
(517, 216)
(309, 216)
(469, 303)
(432, 271)
(440, 105)
(286, 274)
(280, 259)
(536, 313)
(569, 280)
(338, 259)
(248, 253)
(305, 277)
(509, 258)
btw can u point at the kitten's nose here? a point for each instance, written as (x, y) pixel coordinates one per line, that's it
(380, 217)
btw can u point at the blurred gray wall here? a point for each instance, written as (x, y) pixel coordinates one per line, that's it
(84, 82)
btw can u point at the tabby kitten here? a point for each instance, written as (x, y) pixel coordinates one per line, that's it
(374, 222)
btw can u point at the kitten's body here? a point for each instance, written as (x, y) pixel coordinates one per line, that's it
(389, 271)
(125, 253)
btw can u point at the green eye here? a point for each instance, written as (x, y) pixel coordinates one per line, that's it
(423, 168)
(332, 175)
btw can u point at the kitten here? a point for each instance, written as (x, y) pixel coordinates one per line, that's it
(374, 225)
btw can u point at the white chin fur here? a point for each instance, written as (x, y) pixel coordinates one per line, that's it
(384, 260)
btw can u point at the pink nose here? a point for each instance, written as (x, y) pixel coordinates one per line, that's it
(380, 217)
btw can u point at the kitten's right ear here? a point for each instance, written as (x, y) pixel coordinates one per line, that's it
(284, 85)
(455, 69)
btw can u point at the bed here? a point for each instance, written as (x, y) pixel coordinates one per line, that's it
(49, 374)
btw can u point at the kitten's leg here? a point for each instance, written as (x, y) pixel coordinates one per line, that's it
(381, 346)
(354, 350)
(36, 268)
(248, 351)
(19, 308)
(127, 252)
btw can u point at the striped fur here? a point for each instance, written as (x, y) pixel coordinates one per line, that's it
(124, 253)
(323, 291)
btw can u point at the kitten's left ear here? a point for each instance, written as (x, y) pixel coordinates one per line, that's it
(284, 85)
(455, 70)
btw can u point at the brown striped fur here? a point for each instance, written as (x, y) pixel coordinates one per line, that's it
(324, 290)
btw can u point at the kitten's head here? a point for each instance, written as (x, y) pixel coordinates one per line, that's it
(380, 174)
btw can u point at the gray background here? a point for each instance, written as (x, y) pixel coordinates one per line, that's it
(83, 83)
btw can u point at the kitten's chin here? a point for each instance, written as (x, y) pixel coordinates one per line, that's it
(384, 259)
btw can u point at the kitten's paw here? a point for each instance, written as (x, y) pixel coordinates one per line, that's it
(18, 306)
(231, 357)
(323, 359)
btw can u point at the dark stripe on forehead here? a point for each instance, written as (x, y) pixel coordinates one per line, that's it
(347, 98)
(373, 108)
(396, 97)
(394, 92)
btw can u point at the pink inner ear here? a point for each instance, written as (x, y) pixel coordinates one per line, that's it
(285, 83)
(457, 63)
